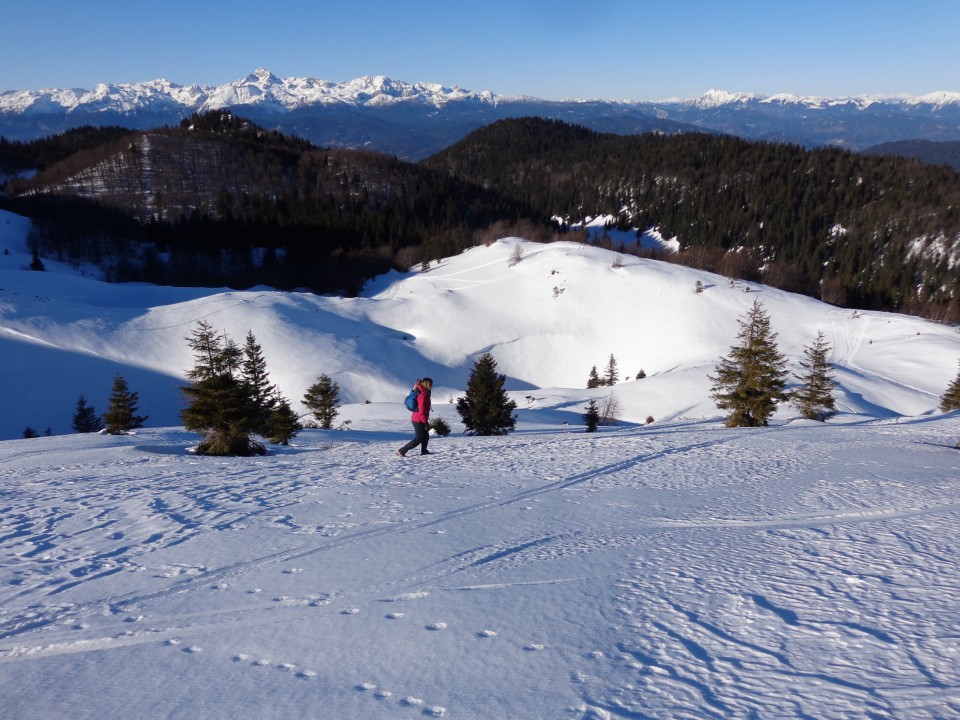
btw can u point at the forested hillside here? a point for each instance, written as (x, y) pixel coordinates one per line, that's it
(935, 153)
(219, 201)
(855, 230)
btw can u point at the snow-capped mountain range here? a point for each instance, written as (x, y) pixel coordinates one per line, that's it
(264, 89)
(260, 88)
(414, 120)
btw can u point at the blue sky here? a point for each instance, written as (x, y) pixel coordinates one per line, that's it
(555, 49)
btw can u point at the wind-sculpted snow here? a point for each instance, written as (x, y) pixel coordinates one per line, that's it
(677, 571)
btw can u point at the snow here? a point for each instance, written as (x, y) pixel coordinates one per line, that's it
(673, 570)
(264, 89)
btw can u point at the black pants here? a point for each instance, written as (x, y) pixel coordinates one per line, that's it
(421, 438)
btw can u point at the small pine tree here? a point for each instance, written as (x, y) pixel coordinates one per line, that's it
(593, 380)
(283, 424)
(814, 398)
(440, 426)
(121, 415)
(323, 400)
(86, 420)
(486, 409)
(950, 400)
(612, 376)
(592, 416)
(29, 432)
(219, 406)
(751, 381)
(255, 382)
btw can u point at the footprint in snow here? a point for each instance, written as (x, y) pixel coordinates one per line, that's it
(437, 626)
(487, 633)
(350, 611)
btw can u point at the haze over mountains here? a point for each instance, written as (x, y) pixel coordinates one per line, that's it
(415, 120)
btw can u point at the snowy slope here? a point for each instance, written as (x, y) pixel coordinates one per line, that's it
(548, 319)
(682, 570)
(676, 570)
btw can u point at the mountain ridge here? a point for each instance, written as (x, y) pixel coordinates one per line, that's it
(262, 86)
(416, 120)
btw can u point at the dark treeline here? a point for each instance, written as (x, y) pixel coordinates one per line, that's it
(218, 201)
(41, 154)
(856, 230)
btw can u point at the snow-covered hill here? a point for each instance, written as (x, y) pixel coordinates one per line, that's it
(548, 319)
(673, 570)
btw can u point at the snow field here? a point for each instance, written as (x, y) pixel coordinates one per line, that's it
(673, 570)
(678, 571)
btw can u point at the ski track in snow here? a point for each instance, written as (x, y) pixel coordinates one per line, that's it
(774, 556)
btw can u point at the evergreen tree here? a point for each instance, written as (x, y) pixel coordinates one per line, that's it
(750, 382)
(592, 416)
(121, 415)
(486, 409)
(950, 400)
(255, 382)
(814, 398)
(323, 400)
(440, 426)
(219, 406)
(612, 376)
(283, 424)
(86, 419)
(593, 380)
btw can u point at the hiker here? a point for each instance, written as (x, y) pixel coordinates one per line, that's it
(420, 417)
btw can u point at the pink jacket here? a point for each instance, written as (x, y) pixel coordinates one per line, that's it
(422, 413)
